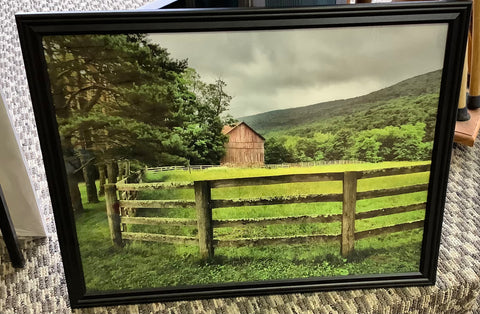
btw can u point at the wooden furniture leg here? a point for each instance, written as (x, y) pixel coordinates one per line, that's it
(466, 130)
(473, 99)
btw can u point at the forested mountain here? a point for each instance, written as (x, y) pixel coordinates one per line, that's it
(394, 123)
(266, 122)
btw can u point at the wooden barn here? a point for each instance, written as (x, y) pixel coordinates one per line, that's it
(245, 147)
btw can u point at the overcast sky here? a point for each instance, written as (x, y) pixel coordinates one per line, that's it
(269, 70)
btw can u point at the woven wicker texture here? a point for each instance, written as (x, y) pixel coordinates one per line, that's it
(40, 287)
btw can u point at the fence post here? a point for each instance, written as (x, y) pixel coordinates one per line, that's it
(127, 168)
(113, 214)
(121, 169)
(204, 218)
(348, 212)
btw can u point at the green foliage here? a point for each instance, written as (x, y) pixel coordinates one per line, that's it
(400, 119)
(338, 147)
(402, 129)
(306, 149)
(203, 134)
(413, 100)
(393, 143)
(367, 149)
(123, 97)
(276, 152)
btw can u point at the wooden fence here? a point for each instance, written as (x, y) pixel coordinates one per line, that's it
(313, 163)
(206, 224)
(186, 168)
(268, 166)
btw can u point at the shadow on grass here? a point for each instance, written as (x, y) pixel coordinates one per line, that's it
(357, 256)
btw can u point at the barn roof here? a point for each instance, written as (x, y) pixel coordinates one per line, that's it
(229, 128)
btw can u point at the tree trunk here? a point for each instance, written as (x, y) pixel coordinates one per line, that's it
(75, 195)
(86, 155)
(89, 176)
(112, 171)
(72, 179)
(102, 178)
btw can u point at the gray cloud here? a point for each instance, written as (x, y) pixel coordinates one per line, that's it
(268, 70)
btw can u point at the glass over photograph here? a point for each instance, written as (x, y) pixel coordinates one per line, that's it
(221, 157)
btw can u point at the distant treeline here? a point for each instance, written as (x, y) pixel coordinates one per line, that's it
(397, 129)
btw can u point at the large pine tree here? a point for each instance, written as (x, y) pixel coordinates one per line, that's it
(123, 97)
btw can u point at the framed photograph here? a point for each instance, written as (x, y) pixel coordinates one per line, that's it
(216, 153)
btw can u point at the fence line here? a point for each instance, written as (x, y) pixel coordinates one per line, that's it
(171, 168)
(128, 177)
(138, 236)
(153, 186)
(204, 204)
(302, 239)
(313, 163)
(275, 221)
(268, 166)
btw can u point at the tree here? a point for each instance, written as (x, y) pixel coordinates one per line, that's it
(409, 145)
(340, 145)
(307, 149)
(122, 97)
(276, 152)
(205, 120)
(366, 148)
(130, 86)
(393, 143)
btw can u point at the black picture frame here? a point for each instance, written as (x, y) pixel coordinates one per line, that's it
(33, 27)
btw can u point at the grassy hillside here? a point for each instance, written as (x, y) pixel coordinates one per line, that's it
(408, 90)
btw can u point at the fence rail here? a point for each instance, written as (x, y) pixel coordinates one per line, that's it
(204, 204)
(280, 179)
(157, 204)
(185, 168)
(153, 186)
(153, 237)
(158, 221)
(313, 163)
(278, 200)
(275, 221)
(389, 211)
(302, 239)
(390, 229)
(392, 191)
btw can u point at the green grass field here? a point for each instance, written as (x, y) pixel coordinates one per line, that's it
(144, 265)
